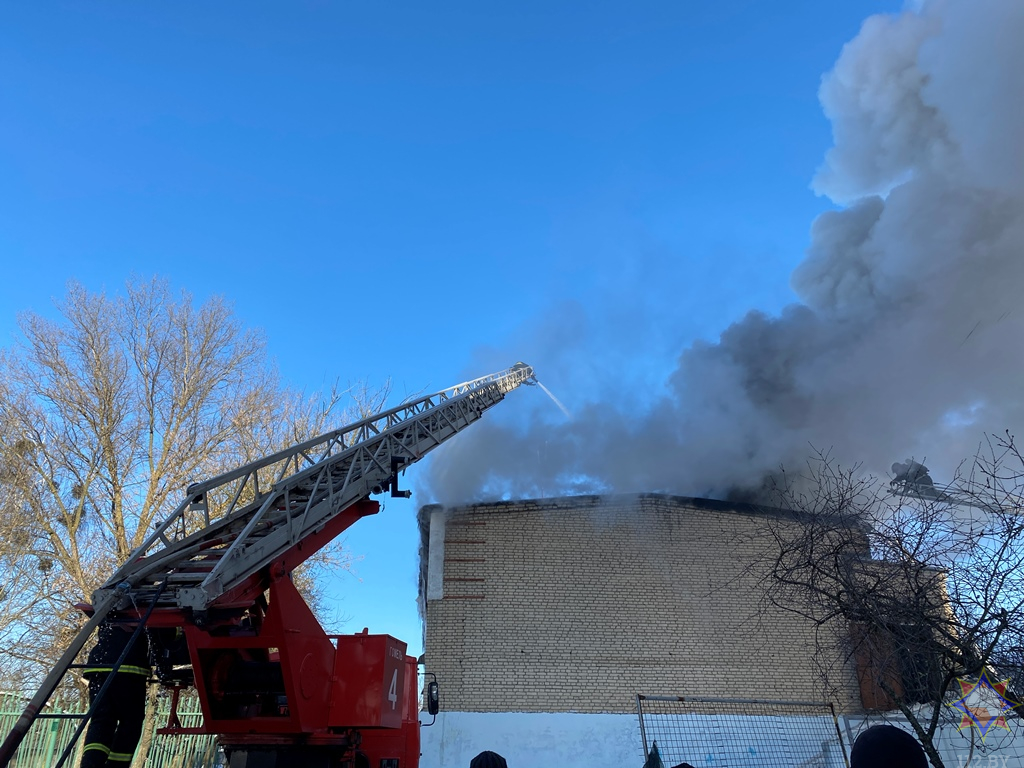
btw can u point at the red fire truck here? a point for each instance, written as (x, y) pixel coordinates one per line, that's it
(212, 587)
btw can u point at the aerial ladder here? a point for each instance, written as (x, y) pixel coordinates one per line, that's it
(211, 584)
(911, 479)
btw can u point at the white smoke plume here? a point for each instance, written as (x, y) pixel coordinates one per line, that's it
(907, 340)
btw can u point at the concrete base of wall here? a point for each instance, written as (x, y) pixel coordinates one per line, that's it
(527, 739)
(566, 740)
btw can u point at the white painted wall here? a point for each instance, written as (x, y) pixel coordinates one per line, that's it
(533, 740)
(566, 740)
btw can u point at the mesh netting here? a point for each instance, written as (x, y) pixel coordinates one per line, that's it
(735, 733)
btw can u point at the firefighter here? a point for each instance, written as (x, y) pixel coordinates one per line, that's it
(488, 760)
(886, 746)
(116, 724)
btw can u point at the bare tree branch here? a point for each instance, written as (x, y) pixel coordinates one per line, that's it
(107, 413)
(918, 591)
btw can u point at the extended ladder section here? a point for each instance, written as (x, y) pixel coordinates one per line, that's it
(229, 527)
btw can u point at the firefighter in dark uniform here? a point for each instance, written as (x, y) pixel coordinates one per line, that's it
(116, 724)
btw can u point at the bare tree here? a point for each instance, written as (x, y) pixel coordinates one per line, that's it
(107, 413)
(920, 587)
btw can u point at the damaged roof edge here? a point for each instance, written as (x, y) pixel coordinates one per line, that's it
(599, 500)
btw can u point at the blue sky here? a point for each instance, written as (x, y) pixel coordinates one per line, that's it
(419, 190)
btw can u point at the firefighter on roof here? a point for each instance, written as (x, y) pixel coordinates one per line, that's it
(116, 724)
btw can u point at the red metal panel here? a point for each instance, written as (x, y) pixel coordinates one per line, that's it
(404, 745)
(273, 681)
(369, 686)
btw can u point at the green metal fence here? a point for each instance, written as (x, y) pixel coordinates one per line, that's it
(48, 738)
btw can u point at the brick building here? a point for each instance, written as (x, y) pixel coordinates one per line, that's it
(544, 618)
(577, 604)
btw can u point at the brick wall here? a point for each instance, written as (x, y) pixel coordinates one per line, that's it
(577, 604)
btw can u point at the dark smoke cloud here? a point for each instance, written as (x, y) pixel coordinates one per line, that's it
(907, 340)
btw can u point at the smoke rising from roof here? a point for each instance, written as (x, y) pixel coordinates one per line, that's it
(906, 340)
